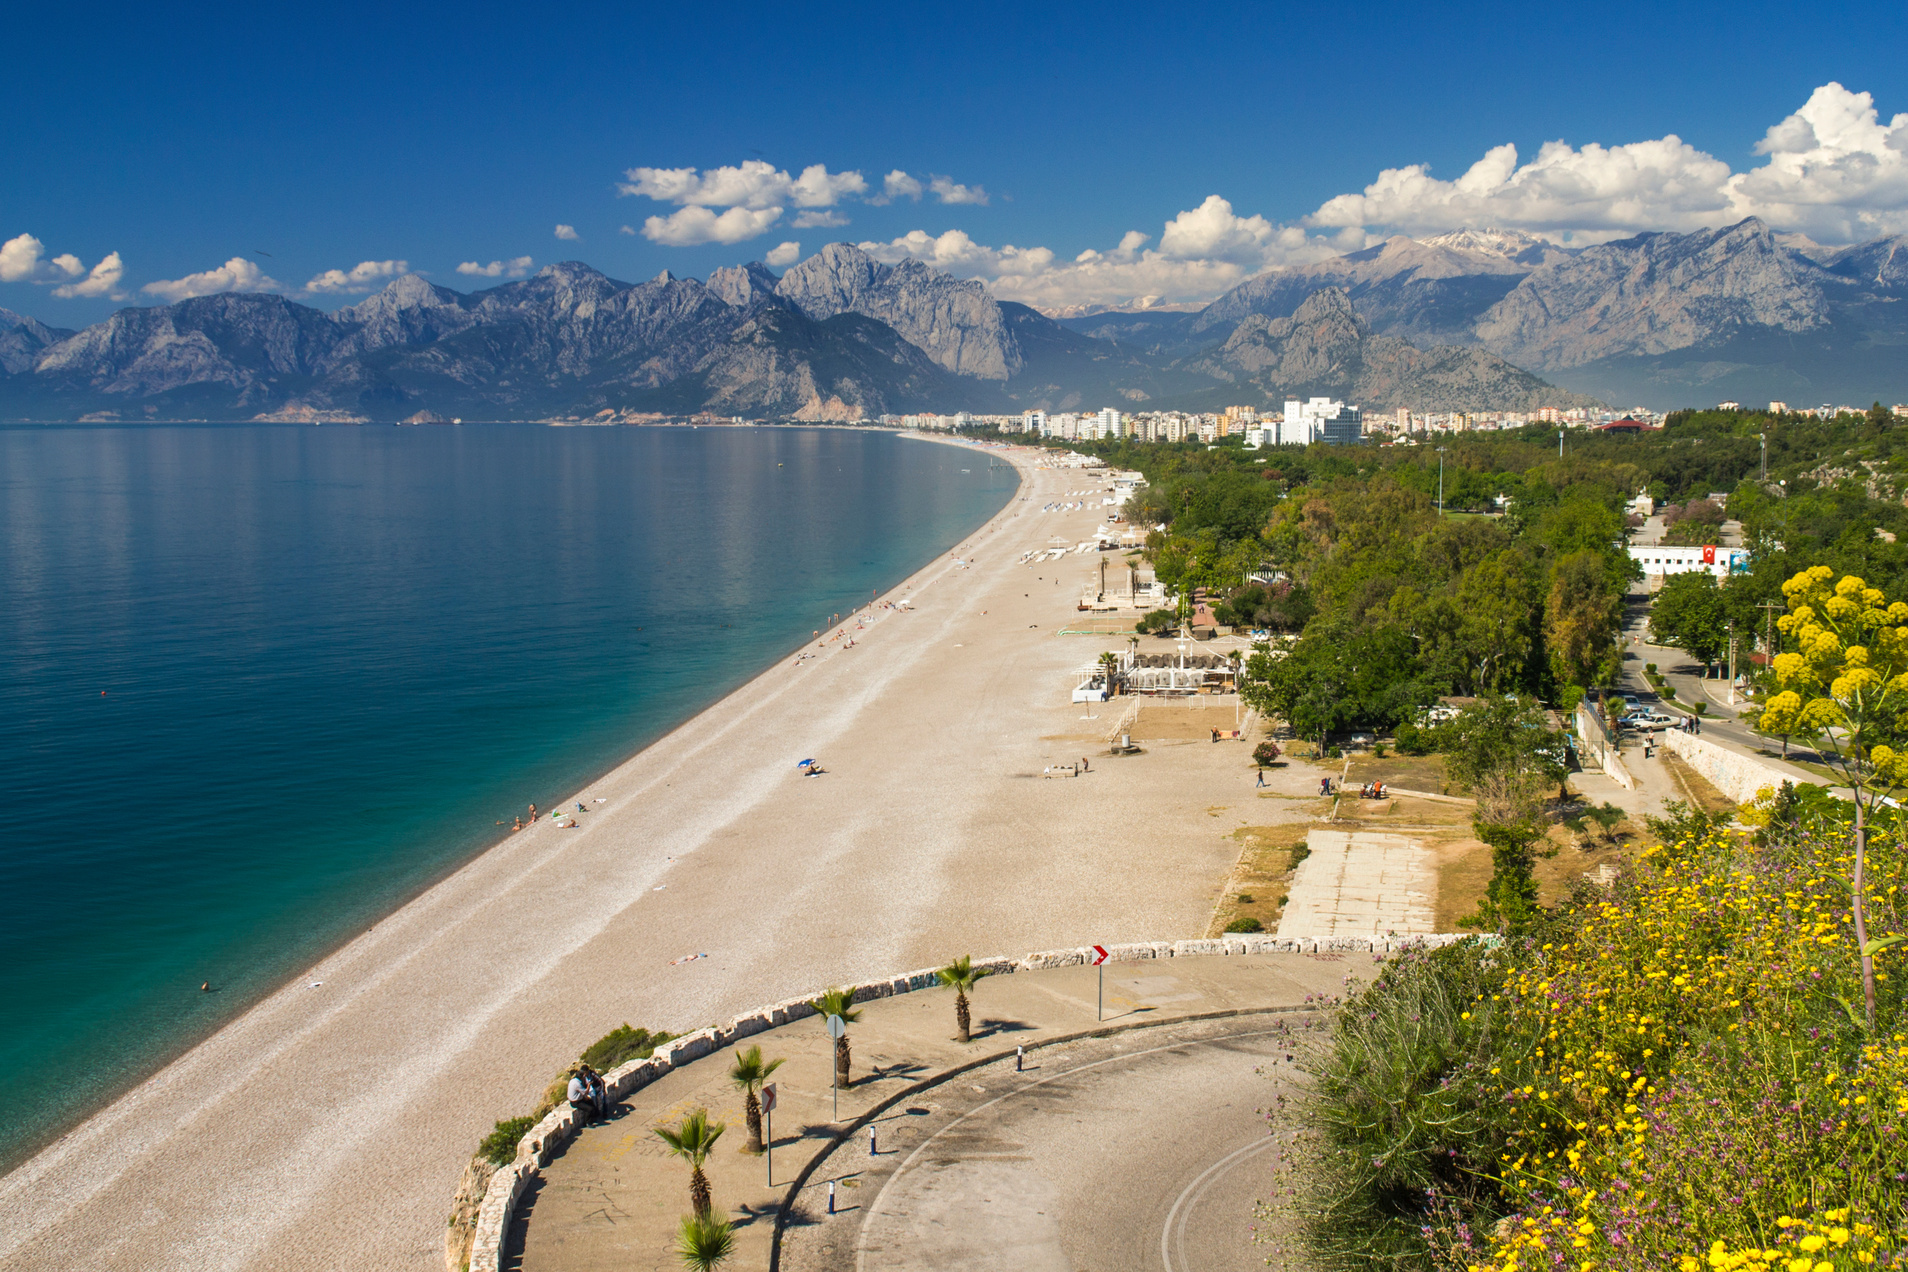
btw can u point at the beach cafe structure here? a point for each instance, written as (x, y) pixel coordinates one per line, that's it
(1188, 670)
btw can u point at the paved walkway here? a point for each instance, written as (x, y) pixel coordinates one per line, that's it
(1360, 883)
(614, 1198)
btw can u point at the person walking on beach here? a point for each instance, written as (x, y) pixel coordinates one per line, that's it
(1262, 777)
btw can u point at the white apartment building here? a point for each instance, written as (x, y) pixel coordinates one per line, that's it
(1320, 420)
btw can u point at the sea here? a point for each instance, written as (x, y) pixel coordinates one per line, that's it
(259, 685)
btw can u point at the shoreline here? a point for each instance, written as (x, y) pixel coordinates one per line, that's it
(327, 1125)
(486, 842)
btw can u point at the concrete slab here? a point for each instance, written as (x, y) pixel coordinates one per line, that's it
(1360, 883)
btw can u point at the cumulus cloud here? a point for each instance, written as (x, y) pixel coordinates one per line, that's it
(825, 219)
(950, 191)
(23, 260)
(1127, 275)
(568, 233)
(695, 224)
(497, 269)
(236, 275)
(103, 280)
(898, 185)
(755, 185)
(1833, 170)
(365, 276)
(784, 254)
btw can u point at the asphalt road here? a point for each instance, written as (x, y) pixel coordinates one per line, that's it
(1145, 1151)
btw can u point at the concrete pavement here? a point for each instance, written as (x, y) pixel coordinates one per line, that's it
(613, 1199)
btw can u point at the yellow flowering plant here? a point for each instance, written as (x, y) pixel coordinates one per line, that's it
(1844, 686)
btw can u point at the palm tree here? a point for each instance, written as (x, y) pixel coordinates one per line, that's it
(960, 976)
(1109, 667)
(839, 1002)
(704, 1241)
(693, 1140)
(749, 1072)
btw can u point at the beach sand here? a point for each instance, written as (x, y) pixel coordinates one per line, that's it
(328, 1126)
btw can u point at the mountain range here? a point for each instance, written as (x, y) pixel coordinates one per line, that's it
(1661, 320)
(1463, 321)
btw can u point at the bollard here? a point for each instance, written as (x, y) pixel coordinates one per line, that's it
(1020, 1058)
(873, 1145)
(831, 1196)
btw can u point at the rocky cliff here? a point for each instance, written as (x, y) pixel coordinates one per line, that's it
(1327, 349)
(958, 323)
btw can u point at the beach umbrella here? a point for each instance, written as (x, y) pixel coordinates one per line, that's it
(804, 764)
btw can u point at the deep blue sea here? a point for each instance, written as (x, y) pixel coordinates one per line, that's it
(258, 685)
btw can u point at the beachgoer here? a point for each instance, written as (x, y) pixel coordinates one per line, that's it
(579, 808)
(533, 812)
(1084, 766)
(581, 1098)
(205, 987)
(517, 825)
(1262, 777)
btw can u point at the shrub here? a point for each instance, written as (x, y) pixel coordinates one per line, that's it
(1267, 752)
(1378, 750)
(1674, 1074)
(1299, 853)
(1245, 923)
(1414, 739)
(621, 1045)
(499, 1148)
(1160, 620)
(1245, 898)
(1649, 668)
(1701, 708)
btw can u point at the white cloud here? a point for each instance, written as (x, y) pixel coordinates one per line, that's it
(568, 233)
(236, 275)
(1202, 252)
(784, 254)
(949, 191)
(754, 185)
(692, 225)
(1833, 171)
(365, 276)
(497, 269)
(898, 185)
(825, 219)
(625, 229)
(102, 281)
(22, 260)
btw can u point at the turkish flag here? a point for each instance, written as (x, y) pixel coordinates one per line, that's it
(1709, 554)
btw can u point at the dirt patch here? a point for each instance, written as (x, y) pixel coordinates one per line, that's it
(1464, 871)
(1160, 722)
(1413, 772)
(1695, 786)
(1264, 873)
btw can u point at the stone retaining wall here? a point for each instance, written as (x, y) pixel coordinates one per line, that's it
(1736, 775)
(543, 1140)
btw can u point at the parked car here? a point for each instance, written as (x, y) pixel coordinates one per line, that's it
(1652, 720)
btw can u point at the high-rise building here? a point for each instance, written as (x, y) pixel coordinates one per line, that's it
(1321, 420)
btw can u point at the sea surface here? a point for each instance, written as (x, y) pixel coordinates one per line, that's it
(259, 685)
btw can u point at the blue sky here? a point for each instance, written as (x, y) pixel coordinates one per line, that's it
(358, 138)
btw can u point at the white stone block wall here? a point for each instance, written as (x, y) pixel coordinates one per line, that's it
(1736, 775)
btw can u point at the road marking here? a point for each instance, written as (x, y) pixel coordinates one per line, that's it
(1168, 1238)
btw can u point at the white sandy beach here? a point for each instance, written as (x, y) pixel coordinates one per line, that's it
(328, 1126)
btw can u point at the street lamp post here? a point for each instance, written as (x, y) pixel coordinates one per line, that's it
(1559, 443)
(1440, 481)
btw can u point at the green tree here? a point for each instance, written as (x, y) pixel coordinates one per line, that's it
(1508, 756)
(1845, 687)
(1689, 534)
(1689, 615)
(839, 1002)
(1582, 616)
(961, 976)
(1496, 603)
(1335, 676)
(749, 1072)
(703, 1242)
(693, 1139)
(1509, 904)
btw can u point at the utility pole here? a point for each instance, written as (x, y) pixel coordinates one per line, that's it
(1732, 662)
(1764, 439)
(1440, 481)
(1559, 443)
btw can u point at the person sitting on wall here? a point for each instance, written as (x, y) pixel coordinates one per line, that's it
(581, 1095)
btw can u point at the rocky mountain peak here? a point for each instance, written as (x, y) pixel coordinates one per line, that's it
(957, 323)
(1325, 304)
(743, 285)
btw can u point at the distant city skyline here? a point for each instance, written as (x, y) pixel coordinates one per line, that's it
(1069, 160)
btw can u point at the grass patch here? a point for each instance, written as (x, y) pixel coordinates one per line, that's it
(499, 1148)
(621, 1045)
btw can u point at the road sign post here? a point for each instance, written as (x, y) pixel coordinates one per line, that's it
(836, 1028)
(1099, 961)
(768, 1129)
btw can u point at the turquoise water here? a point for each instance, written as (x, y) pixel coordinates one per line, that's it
(259, 685)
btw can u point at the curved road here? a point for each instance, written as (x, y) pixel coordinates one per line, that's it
(1146, 1150)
